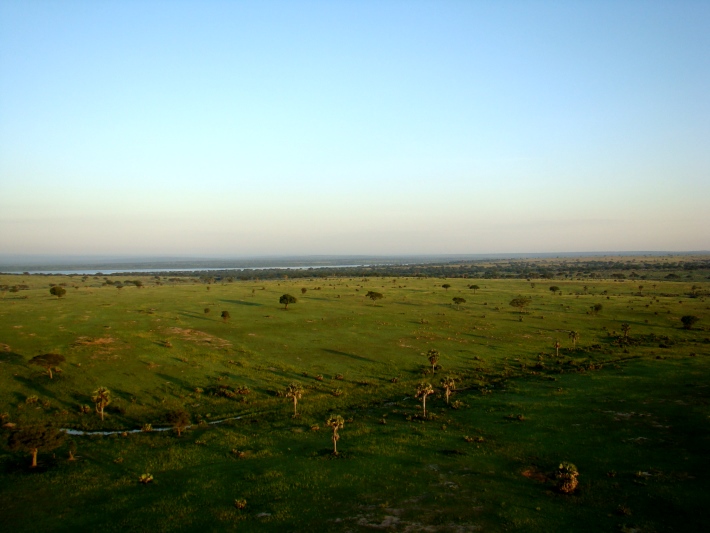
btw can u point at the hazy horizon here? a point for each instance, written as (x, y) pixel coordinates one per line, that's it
(307, 128)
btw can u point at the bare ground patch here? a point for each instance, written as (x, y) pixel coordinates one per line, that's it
(198, 337)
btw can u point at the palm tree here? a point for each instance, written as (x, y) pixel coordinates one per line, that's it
(336, 422)
(625, 328)
(574, 335)
(433, 356)
(101, 397)
(449, 384)
(294, 391)
(424, 390)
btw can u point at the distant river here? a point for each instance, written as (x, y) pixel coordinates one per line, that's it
(83, 272)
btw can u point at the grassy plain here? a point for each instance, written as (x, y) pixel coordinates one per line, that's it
(632, 415)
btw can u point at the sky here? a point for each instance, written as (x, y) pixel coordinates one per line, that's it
(242, 128)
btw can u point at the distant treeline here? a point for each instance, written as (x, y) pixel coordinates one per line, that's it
(696, 268)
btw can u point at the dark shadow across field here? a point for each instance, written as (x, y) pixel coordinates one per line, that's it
(242, 302)
(350, 355)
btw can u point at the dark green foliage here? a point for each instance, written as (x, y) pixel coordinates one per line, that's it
(596, 308)
(287, 299)
(474, 288)
(34, 438)
(225, 315)
(689, 321)
(48, 361)
(446, 286)
(57, 291)
(458, 301)
(520, 302)
(179, 419)
(372, 295)
(554, 289)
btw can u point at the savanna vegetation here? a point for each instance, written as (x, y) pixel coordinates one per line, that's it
(372, 403)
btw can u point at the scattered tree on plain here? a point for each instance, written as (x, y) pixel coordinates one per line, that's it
(625, 328)
(179, 419)
(424, 390)
(287, 299)
(458, 301)
(574, 337)
(689, 321)
(520, 302)
(554, 289)
(474, 288)
(372, 295)
(303, 290)
(48, 361)
(336, 422)
(34, 438)
(101, 398)
(225, 316)
(446, 286)
(433, 356)
(449, 384)
(57, 291)
(294, 392)
(596, 308)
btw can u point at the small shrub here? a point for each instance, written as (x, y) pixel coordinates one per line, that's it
(566, 476)
(145, 479)
(240, 504)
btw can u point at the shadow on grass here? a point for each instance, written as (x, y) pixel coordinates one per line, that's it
(350, 355)
(242, 302)
(12, 358)
(192, 314)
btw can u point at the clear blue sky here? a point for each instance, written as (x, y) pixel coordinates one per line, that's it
(374, 127)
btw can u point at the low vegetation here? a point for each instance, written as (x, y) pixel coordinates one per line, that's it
(583, 410)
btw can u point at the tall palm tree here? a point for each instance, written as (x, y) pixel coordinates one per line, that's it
(449, 384)
(625, 328)
(433, 356)
(336, 422)
(101, 397)
(424, 390)
(294, 391)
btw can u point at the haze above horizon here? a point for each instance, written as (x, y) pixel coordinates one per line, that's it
(353, 128)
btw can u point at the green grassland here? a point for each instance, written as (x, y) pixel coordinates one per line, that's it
(632, 414)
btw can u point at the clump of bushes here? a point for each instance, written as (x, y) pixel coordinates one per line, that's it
(566, 476)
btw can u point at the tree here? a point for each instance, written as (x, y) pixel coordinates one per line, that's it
(372, 295)
(179, 419)
(287, 299)
(101, 398)
(424, 390)
(57, 291)
(207, 310)
(596, 308)
(446, 286)
(554, 289)
(303, 290)
(294, 391)
(625, 328)
(449, 384)
(458, 301)
(520, 302)
(48, 361)
(566, 476)
(474, 288)
(34, 438)
(225, 316)
(689, 321)
(574, 336)
(433, 356)
(336, 422)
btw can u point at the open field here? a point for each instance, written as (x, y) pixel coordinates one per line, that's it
(631, 412)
